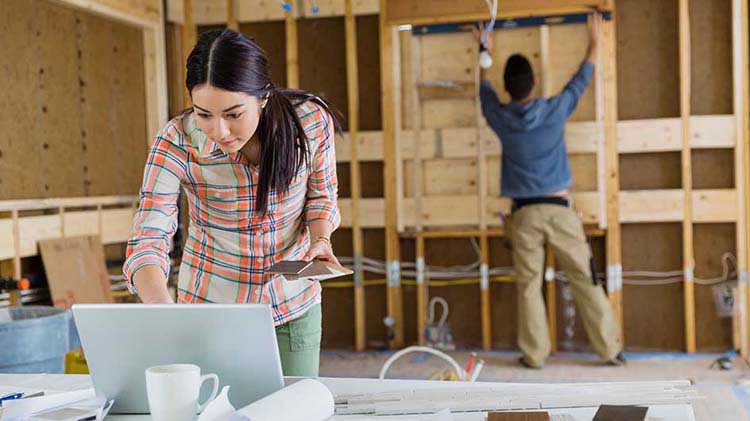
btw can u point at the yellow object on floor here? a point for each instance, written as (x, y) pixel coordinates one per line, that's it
(75, 363)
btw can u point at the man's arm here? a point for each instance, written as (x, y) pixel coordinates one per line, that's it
(594, 25)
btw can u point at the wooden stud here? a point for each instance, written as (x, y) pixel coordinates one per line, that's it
(391, 162)
(189, 38)
(292, 49)
(416, 117)
(550, 285)
(741, 161)
(16, 245)
(687, 177)
(155, 71)
(357, 243)
(422, 292)
(484, 286)
(611, 165)
(232, 22)
(482, 194)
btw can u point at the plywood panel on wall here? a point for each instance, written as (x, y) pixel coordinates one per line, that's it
(647, 59)
(711, 56)
(323, 67)
(70, 131)
(567, 49)
(525, 41)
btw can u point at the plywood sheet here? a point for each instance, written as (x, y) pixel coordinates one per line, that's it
(76, 270)
(368, 66)
(322, 65)
(656, 247)
(650, 171)
(567, 48)
(507, 42)
(55, 95)
(647, 59)
(713, 333)
(711, 57)
(271, 37)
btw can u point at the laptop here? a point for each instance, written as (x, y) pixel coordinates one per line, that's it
(235, 341)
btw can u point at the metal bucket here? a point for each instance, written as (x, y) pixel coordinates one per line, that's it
(34, 339)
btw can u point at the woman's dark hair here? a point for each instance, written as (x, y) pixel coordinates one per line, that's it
(518, 77)
(229, 60)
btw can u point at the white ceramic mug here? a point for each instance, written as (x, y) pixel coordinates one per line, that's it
(173, 391)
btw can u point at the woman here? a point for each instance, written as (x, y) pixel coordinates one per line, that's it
(258, 166)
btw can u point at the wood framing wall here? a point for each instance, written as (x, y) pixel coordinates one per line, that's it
(654, 143)
(85, 89)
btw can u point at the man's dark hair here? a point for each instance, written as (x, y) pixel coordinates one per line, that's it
(518, 77)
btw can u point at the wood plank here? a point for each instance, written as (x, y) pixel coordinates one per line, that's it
(442, 11)
(7, 248)
(715, 206)
(352, 81)
(665, 134)
(712, 131)
(79, 223)
(652, 135)
(484, 286)
(388, 86)
(213, 12)
(550, 295)
(231, 14)
(741, 101)
(76, 270)
(687, 177)
(32, 229)
(651, 206)
(188, 41)
(456, 142)
(70, 202)
(117, 225)
(292, 49)
(329, 8)
(144, 13)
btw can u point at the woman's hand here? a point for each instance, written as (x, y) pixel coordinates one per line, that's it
(321, 249)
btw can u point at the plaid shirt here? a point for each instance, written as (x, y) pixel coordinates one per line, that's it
(229, 245)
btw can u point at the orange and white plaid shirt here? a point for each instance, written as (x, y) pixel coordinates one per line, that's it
(229, 245)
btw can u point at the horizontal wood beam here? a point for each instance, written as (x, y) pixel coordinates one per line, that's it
(642, 206)
(214, 12)
(116, 225)
(143, 13)
(443, 11)
(634, 136)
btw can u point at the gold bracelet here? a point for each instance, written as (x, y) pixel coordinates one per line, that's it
(323, 239)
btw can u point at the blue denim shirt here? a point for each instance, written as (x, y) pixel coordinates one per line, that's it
(534, 156)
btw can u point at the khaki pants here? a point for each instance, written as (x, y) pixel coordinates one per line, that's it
(531, 227)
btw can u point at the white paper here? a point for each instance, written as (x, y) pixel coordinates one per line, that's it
(8, 390)
(306, 400)
(219, 409)
(22, 408)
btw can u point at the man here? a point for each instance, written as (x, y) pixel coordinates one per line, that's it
(536, 175)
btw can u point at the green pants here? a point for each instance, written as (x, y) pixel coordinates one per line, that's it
(299, 344)
(531, 227)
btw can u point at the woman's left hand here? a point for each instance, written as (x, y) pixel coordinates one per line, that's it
(321, 250)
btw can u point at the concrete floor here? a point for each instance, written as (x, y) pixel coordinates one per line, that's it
(727, 393)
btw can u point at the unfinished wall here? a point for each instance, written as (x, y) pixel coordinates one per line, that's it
(74, 108)
(648, 88)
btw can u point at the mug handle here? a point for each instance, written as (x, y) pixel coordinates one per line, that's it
(214, 391)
